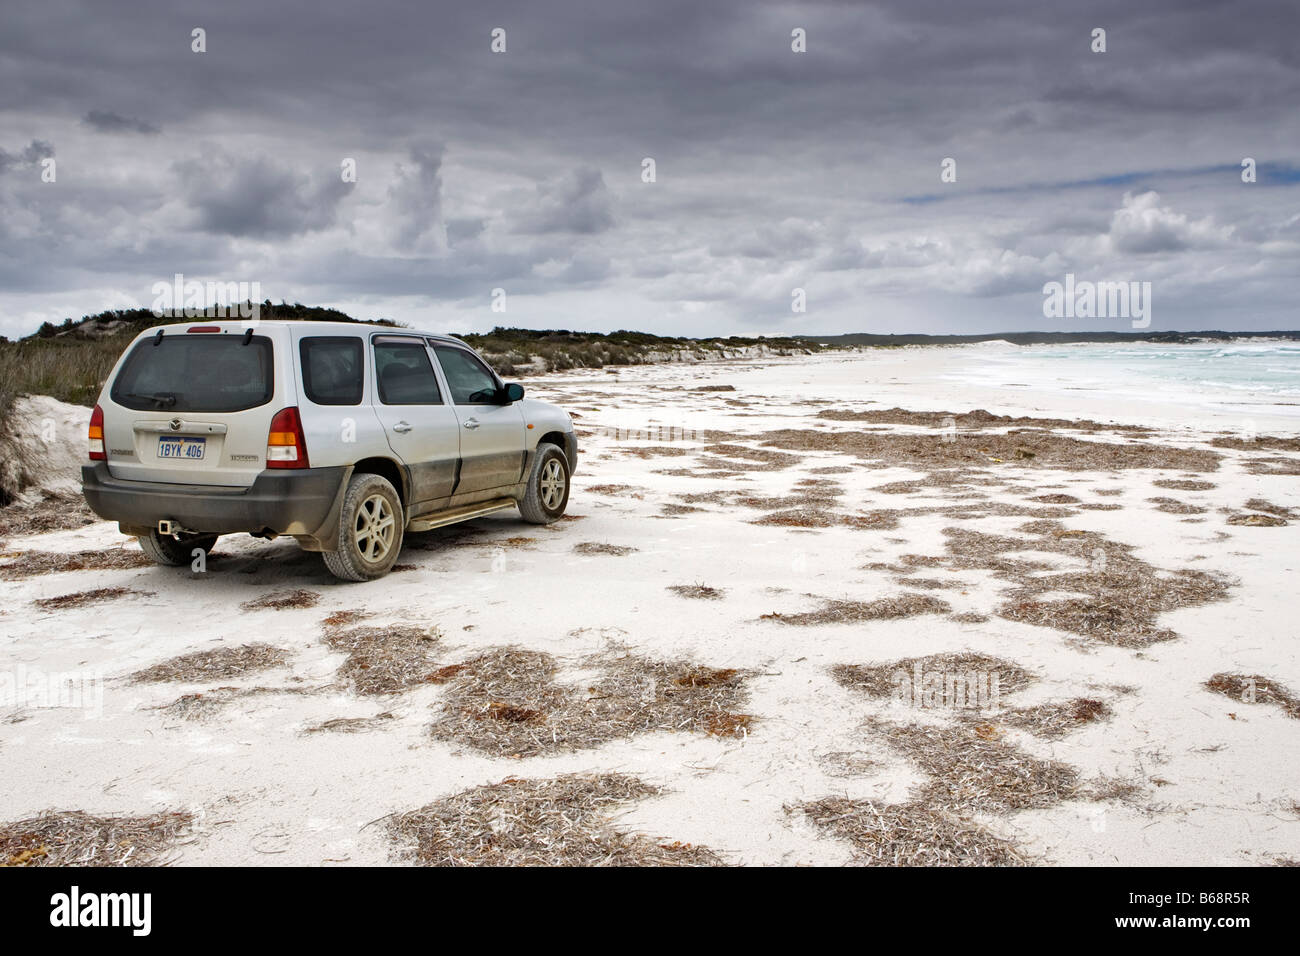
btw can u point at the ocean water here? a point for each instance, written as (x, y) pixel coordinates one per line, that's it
(1220, 375)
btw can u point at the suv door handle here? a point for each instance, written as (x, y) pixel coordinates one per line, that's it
(402, 428)
(471, 423)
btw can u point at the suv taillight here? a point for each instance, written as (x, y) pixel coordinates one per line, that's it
(96, 435)
(286, 446)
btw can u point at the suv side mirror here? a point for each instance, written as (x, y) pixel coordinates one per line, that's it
(512, 393)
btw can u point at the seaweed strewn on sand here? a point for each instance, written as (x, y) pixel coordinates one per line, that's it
(561, 821)
(881, 680)
(902, 605)
(1256, 689)
(386, 660)
(508, 702)
(28, 564)
(77, 838)
(1015, 450)
(221, 663)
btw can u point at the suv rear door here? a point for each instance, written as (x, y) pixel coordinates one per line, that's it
(420, 426)
(195, 407)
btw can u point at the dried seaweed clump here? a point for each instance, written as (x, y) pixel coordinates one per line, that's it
(883, 680)
(221, 663)
(1056, 718)
(1015, 449)
(351, 725)
(200, 706)
(979, 418)
(1175, 507)
(344, 618)
(77, 838)
(898, 488)
(1183, 484)
(1262, 504)
(507, 702)
(615, 490)
(28, 564)
(733, 457)
(910, 834)
(656, 451)
(1257, 521)
(1109, 620)
(1125, 593)
(970, 770)
(209, 703)
(562, 821)
(803, 495)
(1256, 689)
(386, 660)
(1258, 443)
(596, 547)
(282, 600)
(816, 516)
(51, 511)
(799, 518)
(1272, 465)
(906, 604)
(698, 591)
(82, 598)
(930, 584)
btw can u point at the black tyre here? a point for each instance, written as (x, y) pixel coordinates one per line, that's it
(371, 527)
(174, 550)
(548, 486)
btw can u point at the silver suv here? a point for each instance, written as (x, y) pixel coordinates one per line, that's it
(343, 436)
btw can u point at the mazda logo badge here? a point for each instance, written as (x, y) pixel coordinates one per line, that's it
(176, 424)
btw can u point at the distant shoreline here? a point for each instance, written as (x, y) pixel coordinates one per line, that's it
(1049, 338)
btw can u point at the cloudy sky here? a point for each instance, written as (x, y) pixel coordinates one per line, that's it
(775, 170)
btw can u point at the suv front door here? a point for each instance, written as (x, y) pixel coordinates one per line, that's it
(422, 429)
(491, 434)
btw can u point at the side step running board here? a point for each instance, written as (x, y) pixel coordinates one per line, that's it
(463, 513)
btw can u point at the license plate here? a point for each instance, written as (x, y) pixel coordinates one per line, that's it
(171, 446)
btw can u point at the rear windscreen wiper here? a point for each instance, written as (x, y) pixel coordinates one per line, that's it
(164, 399)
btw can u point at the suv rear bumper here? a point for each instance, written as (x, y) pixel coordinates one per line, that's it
(297, 502)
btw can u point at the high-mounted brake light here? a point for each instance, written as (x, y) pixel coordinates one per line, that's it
(204, 328)
(286, 446)
(96, 435)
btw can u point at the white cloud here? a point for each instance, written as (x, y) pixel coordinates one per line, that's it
(1142, 225)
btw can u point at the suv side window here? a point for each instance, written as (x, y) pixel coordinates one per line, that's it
(470, 381)
(332, 369)
(404, 373)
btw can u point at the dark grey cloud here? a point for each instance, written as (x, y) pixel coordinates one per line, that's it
(464, 230)
(106, 121)
(774, 169)
(257, 196)
(416, 194)
(30, 155)
(577, 202)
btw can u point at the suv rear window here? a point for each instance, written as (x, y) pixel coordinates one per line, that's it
(203, 372)
(404, 374)
(332, 369)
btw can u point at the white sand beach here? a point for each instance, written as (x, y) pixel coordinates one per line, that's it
(1103, 569)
